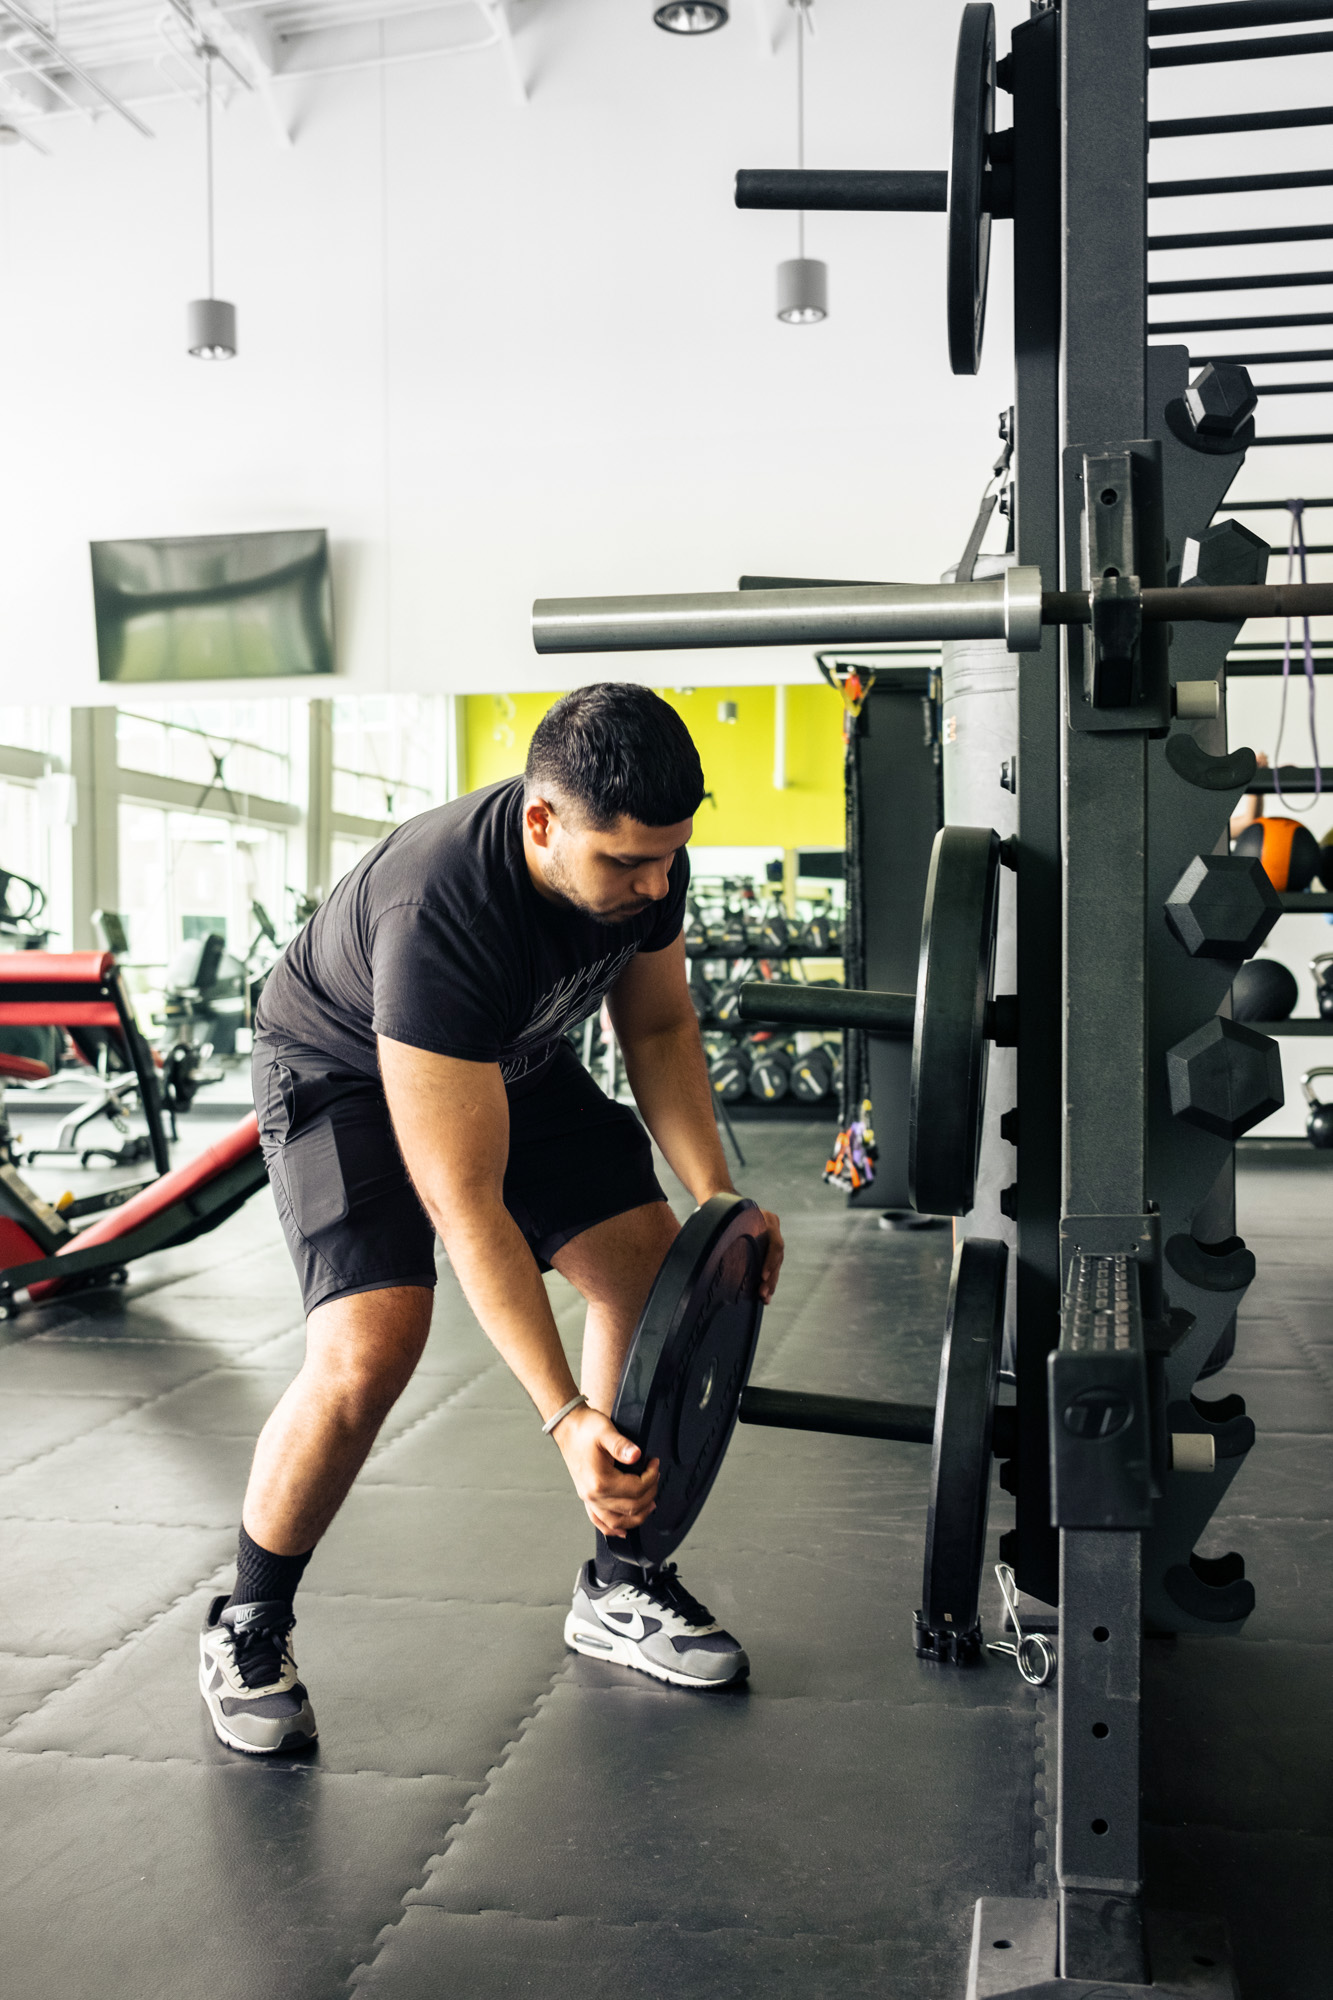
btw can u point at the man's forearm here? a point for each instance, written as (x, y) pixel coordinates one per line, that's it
(504, 1288)
(669, 1077)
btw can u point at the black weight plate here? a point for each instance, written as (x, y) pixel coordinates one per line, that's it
(949, 1048)
(969, 221)
(960, 1459)
(690, 1358)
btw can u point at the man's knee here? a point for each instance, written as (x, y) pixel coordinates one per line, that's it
(616, 1261)
(361, 1351)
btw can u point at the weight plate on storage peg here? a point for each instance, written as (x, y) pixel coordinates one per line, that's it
(947, 1626)
(688, 1362)
(953, 994)
(969, 218)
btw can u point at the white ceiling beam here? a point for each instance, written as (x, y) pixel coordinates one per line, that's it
(49, 43)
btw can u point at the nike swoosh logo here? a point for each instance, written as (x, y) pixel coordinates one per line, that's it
(631, 1624)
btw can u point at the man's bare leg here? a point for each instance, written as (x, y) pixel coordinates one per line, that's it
(360, 1354)
(613, 1264)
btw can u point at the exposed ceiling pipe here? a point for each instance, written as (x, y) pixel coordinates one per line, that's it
(29, 68)
(52, 46)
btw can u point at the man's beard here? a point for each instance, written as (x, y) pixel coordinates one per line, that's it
(558, 880)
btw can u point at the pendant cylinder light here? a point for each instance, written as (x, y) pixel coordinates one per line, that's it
(802, 280)
(691, 17)
(211, 329)
(210, 324)
(802, 291)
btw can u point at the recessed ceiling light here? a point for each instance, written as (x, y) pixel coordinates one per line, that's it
(691, 17)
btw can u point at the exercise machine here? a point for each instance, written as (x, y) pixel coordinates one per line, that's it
(43, 1250)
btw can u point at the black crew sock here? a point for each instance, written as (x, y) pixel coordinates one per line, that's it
(612, 1568)
(262, 1577)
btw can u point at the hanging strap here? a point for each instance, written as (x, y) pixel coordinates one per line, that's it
(968, 561)
(1296, 551)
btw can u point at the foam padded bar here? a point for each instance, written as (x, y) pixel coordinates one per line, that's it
(843, 1416)
(823, 188)
(49, 968)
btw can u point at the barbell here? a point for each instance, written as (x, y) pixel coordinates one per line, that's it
(1013, 607)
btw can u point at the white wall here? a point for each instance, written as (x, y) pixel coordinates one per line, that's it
(499, 351)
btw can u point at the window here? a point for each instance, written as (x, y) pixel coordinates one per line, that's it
(236, 747)
(388, 757)
(183, 875)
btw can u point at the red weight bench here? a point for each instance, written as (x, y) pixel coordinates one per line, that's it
(183, 1204)
(40, 1253)
(84, 992)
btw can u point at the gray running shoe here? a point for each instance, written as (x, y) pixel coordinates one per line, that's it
(654, 1625)
(247, 1677)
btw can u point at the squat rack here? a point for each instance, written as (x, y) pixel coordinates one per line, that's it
(1129, 1271)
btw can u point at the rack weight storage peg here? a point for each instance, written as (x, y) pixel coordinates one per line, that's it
(950, 1019)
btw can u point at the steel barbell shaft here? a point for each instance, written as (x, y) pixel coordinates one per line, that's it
(1006, 607)
(1207, 603)
(1012, 607)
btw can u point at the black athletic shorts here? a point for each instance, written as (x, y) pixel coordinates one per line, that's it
(351, 1217)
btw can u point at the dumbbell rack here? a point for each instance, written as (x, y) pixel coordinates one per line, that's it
(700, 951)
(1131, 1089)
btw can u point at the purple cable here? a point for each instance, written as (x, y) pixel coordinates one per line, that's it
(1295, 548)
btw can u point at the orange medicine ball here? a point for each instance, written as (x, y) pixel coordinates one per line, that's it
(1286, 849)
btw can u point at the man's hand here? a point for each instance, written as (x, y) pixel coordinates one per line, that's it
(777, 1250)
(594, 1452)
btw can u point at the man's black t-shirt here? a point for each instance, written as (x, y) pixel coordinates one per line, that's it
(437, 938)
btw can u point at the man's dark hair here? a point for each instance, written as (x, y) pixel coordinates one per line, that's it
(616, 749)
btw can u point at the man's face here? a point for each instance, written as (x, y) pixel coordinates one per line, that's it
(611, 873)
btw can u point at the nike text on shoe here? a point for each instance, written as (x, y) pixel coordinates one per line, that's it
(654, 1625)
(248, 1679)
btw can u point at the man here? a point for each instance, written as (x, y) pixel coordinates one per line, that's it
(412, 1078)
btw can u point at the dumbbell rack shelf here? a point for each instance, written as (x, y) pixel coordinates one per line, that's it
(1306, 903)
(1303, 1026)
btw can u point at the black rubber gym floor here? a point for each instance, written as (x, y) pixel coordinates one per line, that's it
(486, 1814)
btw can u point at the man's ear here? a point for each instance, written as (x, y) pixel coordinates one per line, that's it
(539, 817)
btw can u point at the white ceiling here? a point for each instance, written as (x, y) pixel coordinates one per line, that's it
(62, 59)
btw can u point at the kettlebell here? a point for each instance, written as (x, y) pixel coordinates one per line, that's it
(1319, 1124)
(1323, 983)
